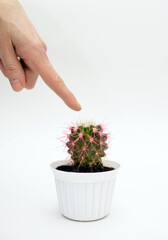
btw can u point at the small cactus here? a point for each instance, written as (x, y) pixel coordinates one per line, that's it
(86, 145)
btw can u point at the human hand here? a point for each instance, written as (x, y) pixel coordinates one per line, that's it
(18, 38)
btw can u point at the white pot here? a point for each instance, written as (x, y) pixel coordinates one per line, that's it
(85, 196)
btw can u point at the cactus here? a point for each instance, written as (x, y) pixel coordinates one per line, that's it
(86, 145)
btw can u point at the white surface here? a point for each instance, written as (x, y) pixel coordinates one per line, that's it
(114, 56)
(84, 196)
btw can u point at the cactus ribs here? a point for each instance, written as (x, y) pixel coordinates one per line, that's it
(86, 146)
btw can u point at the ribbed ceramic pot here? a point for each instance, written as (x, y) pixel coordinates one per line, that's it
(85, 196)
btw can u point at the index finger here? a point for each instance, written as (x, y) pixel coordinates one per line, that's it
(53, 80)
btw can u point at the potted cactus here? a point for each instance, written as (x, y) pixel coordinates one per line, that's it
(85, 182)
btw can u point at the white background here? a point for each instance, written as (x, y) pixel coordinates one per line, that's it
(114, 56)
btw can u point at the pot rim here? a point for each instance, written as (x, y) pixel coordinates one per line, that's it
(105, 162)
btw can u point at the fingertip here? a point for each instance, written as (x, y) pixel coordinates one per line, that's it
(74, 106)
(16, 85)
(30, 79)
(78, 107)
(70, 100)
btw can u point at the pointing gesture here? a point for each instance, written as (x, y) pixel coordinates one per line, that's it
(23, 54)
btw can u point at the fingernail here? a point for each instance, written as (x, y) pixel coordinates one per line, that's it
(16, 84)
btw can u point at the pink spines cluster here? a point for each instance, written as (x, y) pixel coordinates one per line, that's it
(87, 145)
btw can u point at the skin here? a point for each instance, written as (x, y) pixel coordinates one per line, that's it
(23, 54)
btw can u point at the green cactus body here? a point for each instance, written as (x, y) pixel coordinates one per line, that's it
(86, 145)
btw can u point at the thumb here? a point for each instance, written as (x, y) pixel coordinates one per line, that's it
(12, 69)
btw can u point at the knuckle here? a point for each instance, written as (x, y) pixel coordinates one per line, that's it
(35, 45)
(59, 79)
(11, 68)
(60, 82)
(35, 49)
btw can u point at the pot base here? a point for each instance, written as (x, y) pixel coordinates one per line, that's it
(90, 220)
